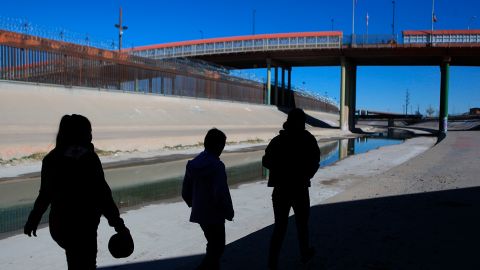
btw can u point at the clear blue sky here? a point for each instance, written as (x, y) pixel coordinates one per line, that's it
(379, 88)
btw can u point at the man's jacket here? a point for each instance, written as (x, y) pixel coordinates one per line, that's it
(205, 190)
(293, 158)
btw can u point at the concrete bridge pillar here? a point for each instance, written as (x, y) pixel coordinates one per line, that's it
(348, 84)
(288, 101)
(352, 104)
(444, 83)
(269, 85)
(275, 93)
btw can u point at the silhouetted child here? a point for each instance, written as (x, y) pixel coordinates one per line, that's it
(205, 190)
(73, 184)
(293, 158)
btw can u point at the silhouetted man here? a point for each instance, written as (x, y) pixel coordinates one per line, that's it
(205, 190)
(293, 158)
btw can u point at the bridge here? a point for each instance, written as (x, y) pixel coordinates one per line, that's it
(388, 116)
(441, 48)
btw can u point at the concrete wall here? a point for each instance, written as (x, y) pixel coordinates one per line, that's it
(30, 115)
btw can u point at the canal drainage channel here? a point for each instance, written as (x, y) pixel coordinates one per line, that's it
(13, 218)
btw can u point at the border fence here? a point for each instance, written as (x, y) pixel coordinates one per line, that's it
(35, 59)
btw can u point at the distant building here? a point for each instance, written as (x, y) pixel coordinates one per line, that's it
(474, 111)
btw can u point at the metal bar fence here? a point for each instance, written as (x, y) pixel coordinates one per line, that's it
(72, 70)
(70, 64)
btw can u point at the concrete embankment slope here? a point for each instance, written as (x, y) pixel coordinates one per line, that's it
(127, 121)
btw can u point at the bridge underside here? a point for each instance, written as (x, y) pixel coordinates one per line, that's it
(363, 56)
(349, 58)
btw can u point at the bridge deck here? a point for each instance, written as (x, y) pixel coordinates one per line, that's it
(366, 55)
(461, 47)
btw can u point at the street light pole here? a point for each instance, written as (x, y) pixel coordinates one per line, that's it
(366, 21)
(433, 20)
(332, 23)
(353, 21)
(201, 34)
(120, 30)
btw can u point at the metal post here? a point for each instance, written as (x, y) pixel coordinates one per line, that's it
(269, 86)
(444, 82)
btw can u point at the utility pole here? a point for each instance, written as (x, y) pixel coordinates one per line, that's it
(120, 30)
(407, 101)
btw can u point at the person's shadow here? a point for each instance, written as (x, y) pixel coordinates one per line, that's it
(435, 230)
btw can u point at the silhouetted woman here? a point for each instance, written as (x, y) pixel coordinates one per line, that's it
(73, 184)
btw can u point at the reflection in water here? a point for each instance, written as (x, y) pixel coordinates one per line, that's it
(172, 188)
(13, 218)
(340, 149)
(365, 144)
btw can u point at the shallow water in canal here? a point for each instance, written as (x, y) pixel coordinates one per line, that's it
(155, 190)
